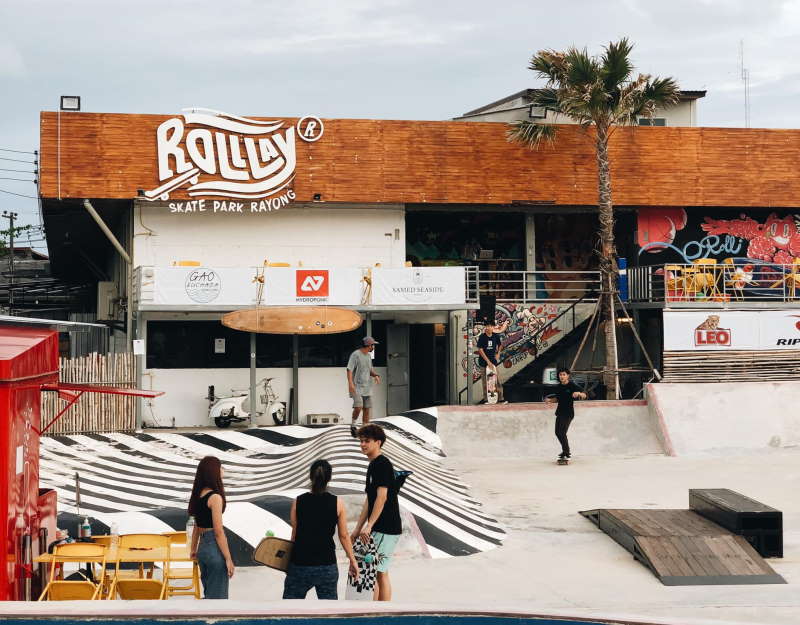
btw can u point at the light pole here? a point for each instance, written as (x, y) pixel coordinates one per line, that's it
(11, 216)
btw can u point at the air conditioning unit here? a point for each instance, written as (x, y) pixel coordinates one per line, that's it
(325, 418)
(106, 294)
(537, 112)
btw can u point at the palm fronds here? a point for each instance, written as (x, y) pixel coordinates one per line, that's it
(531, 134)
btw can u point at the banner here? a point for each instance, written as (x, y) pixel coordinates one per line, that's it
(237, 286)
(418, 285)
(721, 330)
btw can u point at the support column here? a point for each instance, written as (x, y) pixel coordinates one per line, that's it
(530, 257)
(470, 364)
(368, 324)
(253, 403)
(295, 377)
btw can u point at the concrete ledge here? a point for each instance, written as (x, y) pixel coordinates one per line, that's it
(527, 430)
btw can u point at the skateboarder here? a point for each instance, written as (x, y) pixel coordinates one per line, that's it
(565, 394)
(359, 380)
(380, 515)
(489, 348)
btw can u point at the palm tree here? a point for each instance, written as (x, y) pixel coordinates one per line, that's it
(604, 93)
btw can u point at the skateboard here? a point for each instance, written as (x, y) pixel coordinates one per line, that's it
(491, 385)
(562, 461)
(274, 552)
(293, 320)
(363, 589)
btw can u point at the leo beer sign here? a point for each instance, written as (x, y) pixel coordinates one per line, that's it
(731, 330)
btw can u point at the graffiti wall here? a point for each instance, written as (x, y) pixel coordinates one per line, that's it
(519, 326)
(565, 243)
(675, 235)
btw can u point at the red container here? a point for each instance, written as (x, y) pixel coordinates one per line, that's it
(28, 359)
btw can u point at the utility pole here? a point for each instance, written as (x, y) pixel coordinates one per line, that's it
(11, 216)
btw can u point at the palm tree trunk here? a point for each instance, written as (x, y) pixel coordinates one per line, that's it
(606, 258)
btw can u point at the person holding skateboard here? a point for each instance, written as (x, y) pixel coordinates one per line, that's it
(359, 380)
(379, 520)
(489, 348)
(565, 394)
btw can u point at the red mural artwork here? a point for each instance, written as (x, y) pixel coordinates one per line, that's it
(775, 241)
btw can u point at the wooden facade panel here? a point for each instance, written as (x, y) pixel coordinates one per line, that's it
(380, 161)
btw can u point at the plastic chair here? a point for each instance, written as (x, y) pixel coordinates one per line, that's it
(68, 590)
(183, 574)
(706, 276)
(791, 279)
(131, 547)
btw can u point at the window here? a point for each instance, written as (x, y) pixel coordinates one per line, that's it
(537, 112)
(190, 345)
(654, 121)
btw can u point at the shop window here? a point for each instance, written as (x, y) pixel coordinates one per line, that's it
(652, 121)
(194, 345)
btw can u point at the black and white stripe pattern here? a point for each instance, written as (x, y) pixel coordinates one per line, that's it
(142, 482)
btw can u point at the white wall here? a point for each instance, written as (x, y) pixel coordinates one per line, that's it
(316, 235)
(322, 390)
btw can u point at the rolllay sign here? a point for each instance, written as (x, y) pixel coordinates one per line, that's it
(247, 164)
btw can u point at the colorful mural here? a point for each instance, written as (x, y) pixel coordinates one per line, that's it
(671, 235)
(519, 325)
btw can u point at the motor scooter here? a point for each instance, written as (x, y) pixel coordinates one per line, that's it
(235, 408)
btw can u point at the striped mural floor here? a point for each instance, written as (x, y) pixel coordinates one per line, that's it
(142, 482)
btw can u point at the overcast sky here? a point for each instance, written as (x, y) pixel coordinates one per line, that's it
(387, 59)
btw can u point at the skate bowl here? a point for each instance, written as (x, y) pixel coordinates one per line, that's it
(720, 417)
(527, 430)
(299, 612)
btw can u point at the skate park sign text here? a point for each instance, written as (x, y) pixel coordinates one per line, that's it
(248, 162)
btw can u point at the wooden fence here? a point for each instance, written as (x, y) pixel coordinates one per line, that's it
(94, 412)
(732, 366)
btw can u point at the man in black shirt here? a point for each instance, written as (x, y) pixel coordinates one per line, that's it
(489, 348)
(380, 515)
(565, 394)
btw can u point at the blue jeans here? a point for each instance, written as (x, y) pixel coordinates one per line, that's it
(213, 572)
(301, 579)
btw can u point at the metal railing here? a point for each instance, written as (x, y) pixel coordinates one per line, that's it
(741, 280)
(518, 287)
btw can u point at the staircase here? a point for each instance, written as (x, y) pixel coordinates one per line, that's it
(529, 330)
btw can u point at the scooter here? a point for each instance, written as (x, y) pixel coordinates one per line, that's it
(235, 408)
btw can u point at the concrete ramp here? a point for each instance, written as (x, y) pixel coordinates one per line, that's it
(527, 430)
(714, 417)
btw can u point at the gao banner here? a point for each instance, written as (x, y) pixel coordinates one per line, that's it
(218, 155)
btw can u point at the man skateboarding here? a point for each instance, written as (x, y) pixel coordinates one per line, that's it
(489, 348)
(565, 394)
(379, 520)
(359, 380)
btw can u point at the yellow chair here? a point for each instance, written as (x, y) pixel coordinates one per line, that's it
(131, 547)
(85, 589)
(792, 280)
(706, 276)
(183, 574)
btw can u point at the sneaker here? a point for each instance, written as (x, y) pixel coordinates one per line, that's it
(562, 456)
(353, 430)
(503, 401)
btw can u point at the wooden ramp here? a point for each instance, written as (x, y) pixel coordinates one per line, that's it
(682, 548)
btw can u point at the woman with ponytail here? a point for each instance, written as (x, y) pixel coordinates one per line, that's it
(208, 541)
(315, 515)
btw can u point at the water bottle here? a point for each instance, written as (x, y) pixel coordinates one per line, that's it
(189, 529)
(269, 534)
(86, 528)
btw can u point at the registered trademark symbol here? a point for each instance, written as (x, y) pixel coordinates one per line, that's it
(310, 128)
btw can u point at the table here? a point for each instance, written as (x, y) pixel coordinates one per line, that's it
(178, 553)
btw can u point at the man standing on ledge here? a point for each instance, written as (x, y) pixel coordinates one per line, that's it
(359, 380)
(565, 394)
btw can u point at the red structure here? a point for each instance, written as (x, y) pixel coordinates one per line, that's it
(28, 366)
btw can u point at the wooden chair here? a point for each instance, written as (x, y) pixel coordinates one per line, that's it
(68, 590)
(130, 547)
(792, 281)
(183, 574)
(706, 276)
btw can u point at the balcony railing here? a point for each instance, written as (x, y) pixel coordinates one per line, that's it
(518, 287)
(740, 280)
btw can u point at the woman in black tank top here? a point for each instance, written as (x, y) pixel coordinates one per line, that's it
(208, 541)
(315, 516)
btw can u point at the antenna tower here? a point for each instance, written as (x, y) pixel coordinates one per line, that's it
(745, 76)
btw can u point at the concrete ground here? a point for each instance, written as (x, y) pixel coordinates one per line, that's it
(555, 561)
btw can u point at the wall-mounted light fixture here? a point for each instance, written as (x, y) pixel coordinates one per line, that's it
(70, 103)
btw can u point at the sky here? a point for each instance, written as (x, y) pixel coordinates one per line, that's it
(382, 59)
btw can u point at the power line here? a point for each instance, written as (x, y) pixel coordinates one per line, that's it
(21, 171)
(33, 197)
(18, 179)
(16, 160)
(17, 151)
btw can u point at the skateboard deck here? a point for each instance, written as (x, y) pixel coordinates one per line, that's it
(293, 320)
(491, 385)
(274, 552)
(562, 461)
(363, 589)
